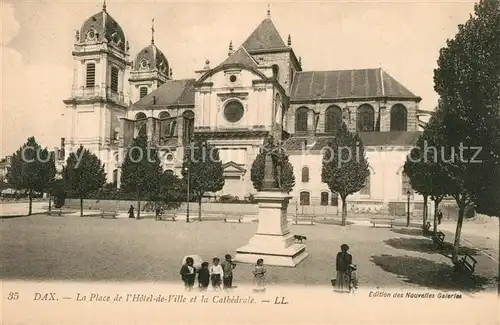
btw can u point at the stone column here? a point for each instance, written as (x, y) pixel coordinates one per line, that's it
(311, 123)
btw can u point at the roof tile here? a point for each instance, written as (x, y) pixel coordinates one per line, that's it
(264, 37)
(172, 92)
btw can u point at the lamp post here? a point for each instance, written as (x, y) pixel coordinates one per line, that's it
(408, 194)
(188, 183)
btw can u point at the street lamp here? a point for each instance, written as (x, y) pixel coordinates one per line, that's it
(408, 194)
(188, 183)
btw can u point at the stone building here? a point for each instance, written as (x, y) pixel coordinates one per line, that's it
(260, 89)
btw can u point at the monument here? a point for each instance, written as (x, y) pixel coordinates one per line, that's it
(273, 241)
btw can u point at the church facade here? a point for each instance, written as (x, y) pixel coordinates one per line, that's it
(259, 90)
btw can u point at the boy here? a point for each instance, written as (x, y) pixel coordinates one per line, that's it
(203, 277)
(228, 267)
(216, 274)
(188, 273)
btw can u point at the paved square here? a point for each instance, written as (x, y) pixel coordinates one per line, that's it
(72, 248)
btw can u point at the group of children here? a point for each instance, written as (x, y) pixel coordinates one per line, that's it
(218, 274)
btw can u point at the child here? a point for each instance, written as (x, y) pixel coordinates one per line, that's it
(203, 277)
(216, 274)
(259, 276)
(228, 267)
(188, 273)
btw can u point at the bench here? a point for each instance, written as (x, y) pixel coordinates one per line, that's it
(384, 221)
(233, 219)
(111, 214)
(466, 264)
(439, 239)
(308, 221)
(54, 213)
(166, 216)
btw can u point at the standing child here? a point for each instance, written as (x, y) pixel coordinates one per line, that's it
(188, 273)
(259, 274)
(203, 277)
(216, 274)
(228, 267)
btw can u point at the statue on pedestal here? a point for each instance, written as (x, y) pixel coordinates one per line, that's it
(272, 166)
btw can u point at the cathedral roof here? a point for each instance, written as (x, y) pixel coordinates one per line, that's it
(150, 58)
(171, 93)
(102, 26)
(240, 56)
(264, 37)
(347, 84)
(370, 139)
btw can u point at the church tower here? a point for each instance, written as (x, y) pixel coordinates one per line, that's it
(150, 70)
(98, 98)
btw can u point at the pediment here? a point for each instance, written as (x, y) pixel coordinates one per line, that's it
(233, 168)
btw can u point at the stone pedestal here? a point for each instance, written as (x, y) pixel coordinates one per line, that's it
(273, 241)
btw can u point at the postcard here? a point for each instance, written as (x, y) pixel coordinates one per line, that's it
(208, 162)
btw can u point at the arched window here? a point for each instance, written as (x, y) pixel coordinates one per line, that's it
(324, 198)
(305, 198)
(163, 115)
(276, 71)
(169, 172)
(366, 189)
(277, 103)
(333, 119)
(365, 118)
(115, 177)
(305, 174)
(301, 119)
(90, 75)
(398, 118)
(141, 124)
(405, 184)
(114, 79)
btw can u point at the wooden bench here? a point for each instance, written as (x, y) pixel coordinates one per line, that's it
(439, 239)
(112, 214)
(166, 216)
(384, 221)
(308, 221)
(466, 264)
(54, 213)
(233, 219)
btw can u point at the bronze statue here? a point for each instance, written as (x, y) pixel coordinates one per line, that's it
(272, 167)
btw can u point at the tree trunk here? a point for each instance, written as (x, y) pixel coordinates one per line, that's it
(81, 207)
(344, 210)
(31, 203)
(424, 216)
(436, 208)
(458, 231)
(138, 208)
(199, 208)
(50, 202)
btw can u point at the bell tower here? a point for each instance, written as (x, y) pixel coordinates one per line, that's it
(98, 97)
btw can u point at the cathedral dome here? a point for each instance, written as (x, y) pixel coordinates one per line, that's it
(151, 58)
(100, 27)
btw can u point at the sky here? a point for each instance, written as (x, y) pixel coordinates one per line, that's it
(402, 37)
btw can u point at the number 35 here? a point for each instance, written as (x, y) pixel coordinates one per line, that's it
(13, 296)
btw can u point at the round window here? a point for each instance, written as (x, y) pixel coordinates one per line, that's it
(91, 35)
(232, 78)
(170, 157)
(144, 64)
(233, 111)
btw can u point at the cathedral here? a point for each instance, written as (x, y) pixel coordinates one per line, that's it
(260, 89)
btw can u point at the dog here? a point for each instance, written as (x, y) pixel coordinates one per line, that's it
(299, 238)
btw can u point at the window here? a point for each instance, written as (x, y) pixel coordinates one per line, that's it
(405, 185)
(305, 198)
(169, 172)
(143, 91)
(366, 189)
(232, 78)
(233, 112)
(90, 81)
(334, 201)
(115, 177)
(141, 124)
(163, 115)
(305, 174)
(324, 198)
(114, 79)
(398, 118)
(365, 118)
(140, 116)
(301, 119)
(333, 119)
(189, 125)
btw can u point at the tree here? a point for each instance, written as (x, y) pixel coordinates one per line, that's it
(287, 177)
(141, 171)
(467, 81)
(171, 191)
(32, 168)
(345, 168)
(206, 174)
(425, 167)
(59, 193)
(83, 174)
